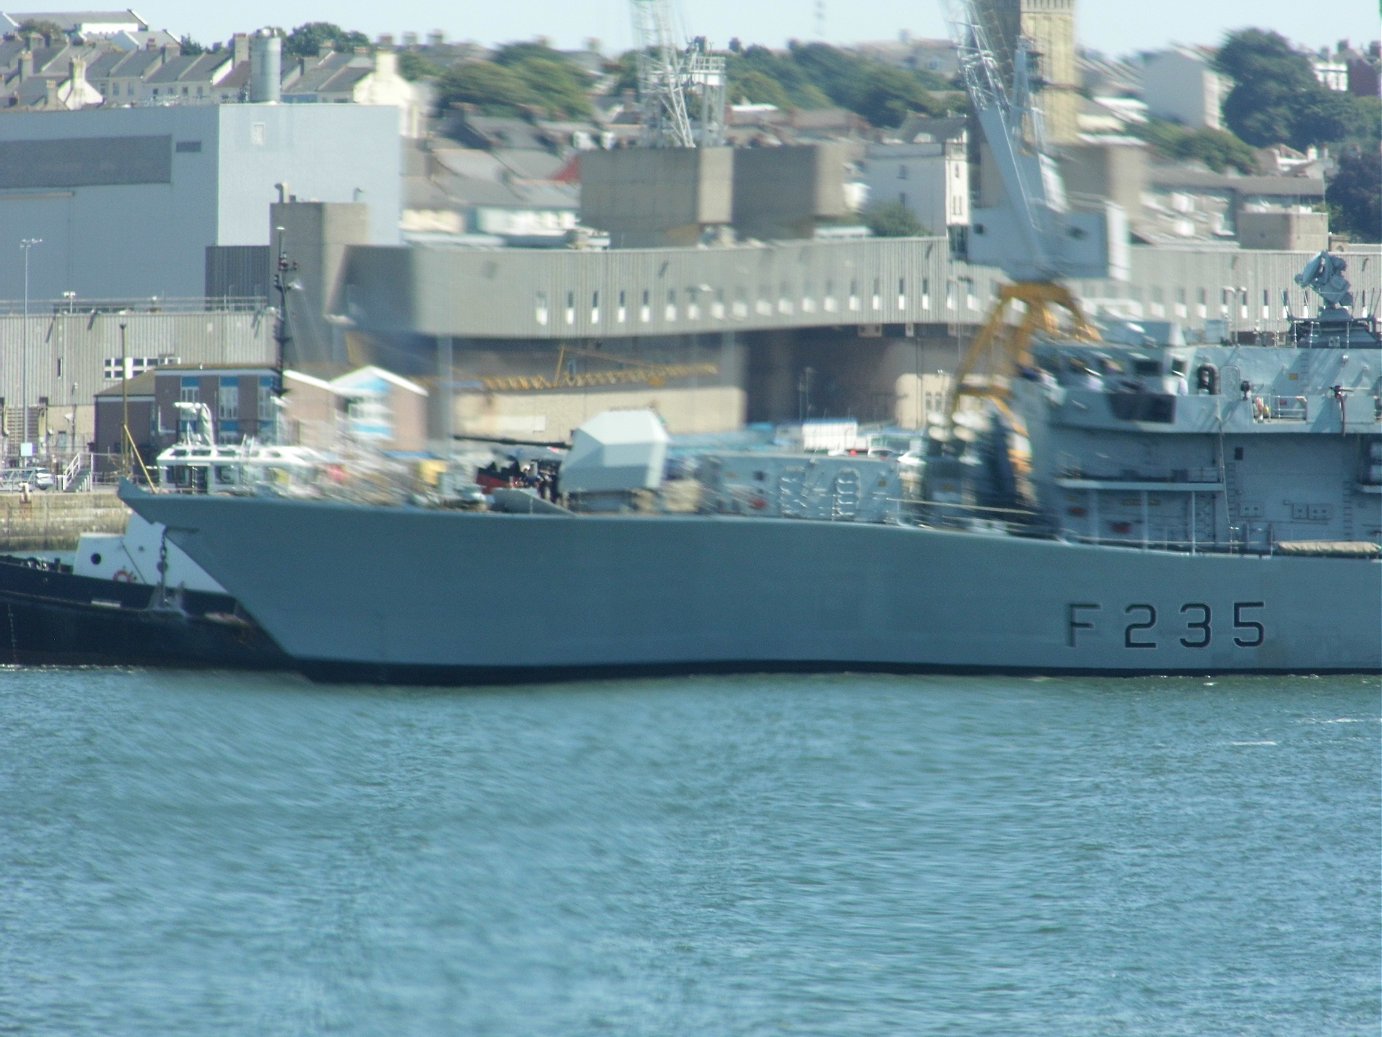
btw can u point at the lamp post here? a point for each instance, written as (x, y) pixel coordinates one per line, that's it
(25, 448)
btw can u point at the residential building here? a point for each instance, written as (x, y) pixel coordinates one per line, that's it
(927, 173)
(1180, 84)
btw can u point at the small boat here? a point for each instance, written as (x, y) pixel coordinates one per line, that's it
(133, 598)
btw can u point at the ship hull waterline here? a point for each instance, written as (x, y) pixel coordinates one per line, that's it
(410, 594)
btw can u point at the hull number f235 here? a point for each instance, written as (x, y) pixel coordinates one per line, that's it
(1194, 625)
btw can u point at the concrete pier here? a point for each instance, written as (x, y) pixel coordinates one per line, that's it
(48, 521)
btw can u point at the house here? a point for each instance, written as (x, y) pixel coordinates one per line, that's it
(1180, 84)
(926, 172)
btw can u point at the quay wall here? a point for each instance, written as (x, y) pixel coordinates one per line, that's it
(54, 521)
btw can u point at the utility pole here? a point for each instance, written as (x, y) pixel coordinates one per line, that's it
(25, 447)
(124, 407)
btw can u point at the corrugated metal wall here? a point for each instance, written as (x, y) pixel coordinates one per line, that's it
(536, 294)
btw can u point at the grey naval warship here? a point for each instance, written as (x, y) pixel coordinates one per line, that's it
(1192, 509)
(1179, 508)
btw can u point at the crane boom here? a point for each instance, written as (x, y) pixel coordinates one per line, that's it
(1034, 236)
(667, 73)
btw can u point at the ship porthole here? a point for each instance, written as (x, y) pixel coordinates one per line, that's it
(96, 559)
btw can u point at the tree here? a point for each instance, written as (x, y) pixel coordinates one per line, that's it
(413, 67)
(892, 220)
(190, 47)
(1354, 195)
(493, 89)
(1277, 99)
(1215, 148)
(756, 87)
(556, 85)
(887, 95)
(49, 30)
(308, 39)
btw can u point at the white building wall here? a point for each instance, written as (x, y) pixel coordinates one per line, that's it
(930, 180)
(172, 181)
(1179, 85)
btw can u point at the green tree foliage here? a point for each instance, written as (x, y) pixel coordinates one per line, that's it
(816, 75)
(51, 30)
(308, 39)
(1215, 148)
(1277, 99)
(886, 95)
(521, 76)
(757, 87)
(753, 70)
(414, 67)
(892, 220)
(556, 85)
(492, 89)
(1354, 195)
(190, 47)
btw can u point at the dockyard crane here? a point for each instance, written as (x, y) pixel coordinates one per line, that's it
(668, 73)
(1035, 237)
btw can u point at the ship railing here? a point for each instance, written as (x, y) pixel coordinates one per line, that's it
(1233, 545)
(1289, 408)
(974, 517)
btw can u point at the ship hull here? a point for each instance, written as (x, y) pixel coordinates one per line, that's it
(52, 617)
(409, 594)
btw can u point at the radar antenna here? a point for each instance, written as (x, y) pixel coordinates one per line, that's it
(1324, 274)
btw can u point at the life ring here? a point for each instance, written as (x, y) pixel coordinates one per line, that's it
(123, 576)
(757, 503)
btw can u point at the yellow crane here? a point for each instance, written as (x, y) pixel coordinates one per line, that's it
(630, 371)
(1033, 235)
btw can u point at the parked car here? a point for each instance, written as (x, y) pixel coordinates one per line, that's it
(13, 480)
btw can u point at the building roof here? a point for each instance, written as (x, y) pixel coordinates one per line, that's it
(195, 68)
(73, 21)
(1192, 178)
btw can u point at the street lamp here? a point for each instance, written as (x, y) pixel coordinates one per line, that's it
(25, 448)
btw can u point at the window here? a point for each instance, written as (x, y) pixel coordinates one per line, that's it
(228, 400)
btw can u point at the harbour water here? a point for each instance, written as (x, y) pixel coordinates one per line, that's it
(201, 853)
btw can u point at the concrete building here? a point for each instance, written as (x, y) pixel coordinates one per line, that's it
(1180, 84)
(145, 202)
(1183, 202)
(649, 197)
